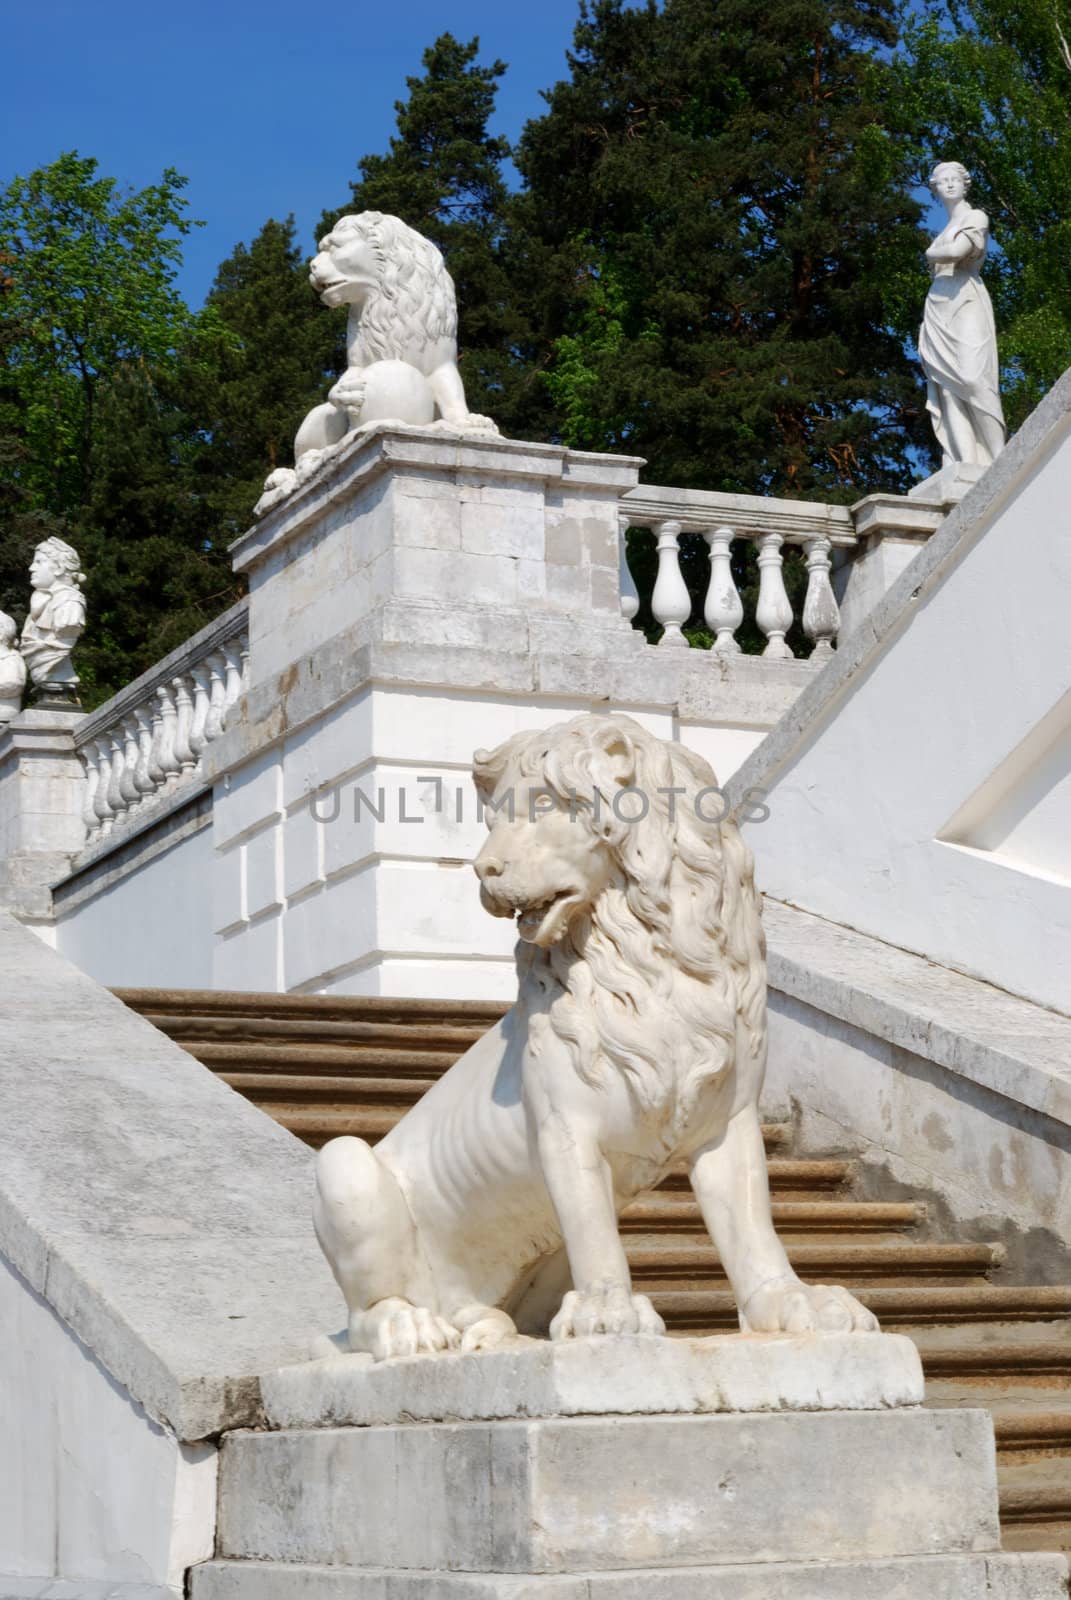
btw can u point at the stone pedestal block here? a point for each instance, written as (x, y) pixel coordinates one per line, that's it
(481, 532)
(988, 1577)
(891, 530)
(42, 790)
(567, 1495)
(751, 1372)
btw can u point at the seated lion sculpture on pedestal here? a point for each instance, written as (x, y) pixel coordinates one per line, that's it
(638, 1040)
(401, 342)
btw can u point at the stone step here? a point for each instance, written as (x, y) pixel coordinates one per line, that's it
(1003, 1576)
(291, 1032)
(1036, 1493)
(699, 1311)
(674, 1212)
(168, 1003)
(1037, 1362)
(347, 1064)
(665, 1263)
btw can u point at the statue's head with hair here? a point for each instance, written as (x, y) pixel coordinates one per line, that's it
(954, 168)
(61, 558)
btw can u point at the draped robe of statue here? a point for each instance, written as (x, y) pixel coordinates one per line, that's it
(50, 632)
(958, 342)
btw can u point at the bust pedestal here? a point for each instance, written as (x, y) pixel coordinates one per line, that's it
(42, 789)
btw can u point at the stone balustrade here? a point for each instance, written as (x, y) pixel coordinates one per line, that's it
(770, 525)
(146, 743)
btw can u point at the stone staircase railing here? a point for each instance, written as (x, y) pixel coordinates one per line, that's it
(146, 743)
(721, 518)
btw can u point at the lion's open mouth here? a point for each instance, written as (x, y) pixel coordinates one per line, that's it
(544, 921)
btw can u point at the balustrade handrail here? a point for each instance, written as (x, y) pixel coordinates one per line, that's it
(719, 519)
(700, 510)
(229, 625)
(144, 745)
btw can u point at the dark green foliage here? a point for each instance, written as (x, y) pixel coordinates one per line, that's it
(266, 353)
(443, 175)
(719, 194)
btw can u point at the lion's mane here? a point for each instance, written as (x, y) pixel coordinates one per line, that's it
(414, 302)
(677, 934)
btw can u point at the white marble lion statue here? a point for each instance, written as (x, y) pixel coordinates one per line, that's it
(637, 1041)
(401, 341)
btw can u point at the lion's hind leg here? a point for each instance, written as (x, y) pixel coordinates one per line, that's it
(366, 1232)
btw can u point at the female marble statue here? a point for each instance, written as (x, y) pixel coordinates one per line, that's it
(12, 670)
(958, 338)
(57, 617)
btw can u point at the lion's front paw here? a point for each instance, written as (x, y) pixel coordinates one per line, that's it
(608, 1309)
(349, 392)
(474, 423)
(395, 1328)
(789, 1306)
(277, 485)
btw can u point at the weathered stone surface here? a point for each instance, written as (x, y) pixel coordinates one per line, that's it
(593, 1494)
(81, 1589)
(132, 1197)
(603, 1376)
(990, 1577)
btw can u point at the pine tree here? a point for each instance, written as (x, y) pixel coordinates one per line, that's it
(720, 231)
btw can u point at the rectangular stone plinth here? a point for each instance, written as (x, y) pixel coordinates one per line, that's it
(580, 1494)
(990, 1577)
(603, 1377)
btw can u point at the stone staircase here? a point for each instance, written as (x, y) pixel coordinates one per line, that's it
(325, 1066)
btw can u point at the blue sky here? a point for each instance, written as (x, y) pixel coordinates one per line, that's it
(265, 106)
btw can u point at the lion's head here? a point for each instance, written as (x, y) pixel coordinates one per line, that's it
(611, 849)
(396, 279)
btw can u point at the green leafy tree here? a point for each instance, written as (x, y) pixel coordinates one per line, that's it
(88, 272)
(988, 83)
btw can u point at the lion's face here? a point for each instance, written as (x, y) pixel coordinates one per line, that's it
(541, 863)
(347, 268)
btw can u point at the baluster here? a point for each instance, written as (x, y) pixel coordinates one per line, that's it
(128, 733)
(724, 609)
(104, 814)
(821, 614)
(183, 723)
(117, 801)
(244, 651)
(144, 782)
(201, 702)
(774, 612)
(235, 665)
(89, 814)
(630, 600)
(671, 602)
(217, 698)
(167, 760)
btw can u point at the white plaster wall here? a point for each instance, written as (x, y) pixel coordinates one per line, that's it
(355, 904)
(90, 1487)
(151, 927)
(860, 811)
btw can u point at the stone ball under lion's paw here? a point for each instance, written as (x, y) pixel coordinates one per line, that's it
(396, 391)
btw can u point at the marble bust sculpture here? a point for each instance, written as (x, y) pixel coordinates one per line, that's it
(56, 620)
(958, 339)
(12, 670)
(637, 1041)
(401, 341)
